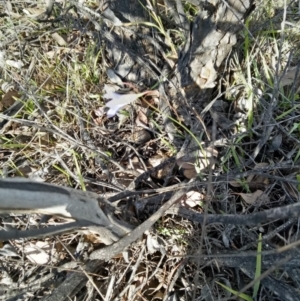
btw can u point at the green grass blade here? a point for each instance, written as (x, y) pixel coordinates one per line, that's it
(236, 293)
(79, 172)
(258, 266)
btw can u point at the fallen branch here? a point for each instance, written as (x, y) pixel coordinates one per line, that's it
(289, 211)
(108, 252)
(23, 196)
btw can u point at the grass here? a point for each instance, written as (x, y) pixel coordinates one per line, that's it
(257, 95)
(256, 280)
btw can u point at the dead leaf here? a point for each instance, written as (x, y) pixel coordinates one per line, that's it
(257, 196)
(153, 244)
(156, 160)
(98, 115)
(9, 98)
(221, 120)
(165, 171)
(8, 250)
(39, 252)
(258, 181)
(92, 238)
(138, 136)
(194, 163)
(135, 163)
(192, 199)
(207, 76)
(119, 101)
(190, 173)
(235, 184)
(34, 12)
(59, 39)
(158, 296)
(61, 50)
(15, 64)
(100, 112)
(291, 75)
(141, 119)
(24, 171)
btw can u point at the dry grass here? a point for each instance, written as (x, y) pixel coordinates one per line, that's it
(54, 76)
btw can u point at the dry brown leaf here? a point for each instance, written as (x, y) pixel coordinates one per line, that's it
(165, 171)
(251, 198)
(188, 164)
(62, 50)
(291, 75)
(156, 160)
(92, 238)
(138, 136)
(24, 171)
(192, 164)
(158, 296)
(235, 184)
(254, 181)
(141, 118)
(259, 181)
(190, 173)
(9, 98)
(98, 115)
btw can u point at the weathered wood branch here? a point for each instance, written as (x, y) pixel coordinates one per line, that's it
(25, 196)
(110, 251)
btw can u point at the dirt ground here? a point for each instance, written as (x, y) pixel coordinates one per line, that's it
(149, 150)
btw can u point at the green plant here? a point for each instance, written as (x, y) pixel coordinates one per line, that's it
(256, 277)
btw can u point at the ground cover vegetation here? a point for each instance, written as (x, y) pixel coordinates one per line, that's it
(149, 150)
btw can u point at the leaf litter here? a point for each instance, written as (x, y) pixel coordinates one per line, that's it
(152, 270)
